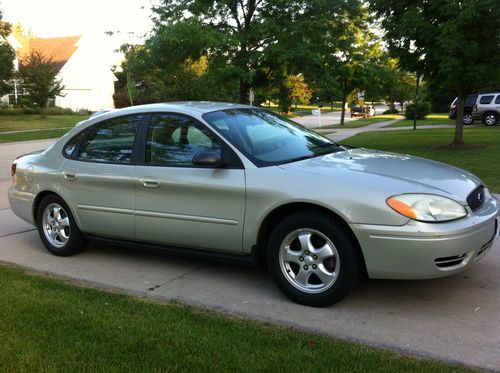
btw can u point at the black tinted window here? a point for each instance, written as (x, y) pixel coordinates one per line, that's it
(173, 140)
(471, 100)
(486, 99)
(497, 100)
(111, 141)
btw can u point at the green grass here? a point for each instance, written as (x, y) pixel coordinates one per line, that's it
(31, 122)
(364, 121)
(424, 143)
(430, 120)
(47, 325)
(38, 135)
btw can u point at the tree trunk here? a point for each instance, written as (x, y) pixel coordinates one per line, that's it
(244, 88)
(459, 124)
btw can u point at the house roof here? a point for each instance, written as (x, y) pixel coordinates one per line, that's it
(60, 49)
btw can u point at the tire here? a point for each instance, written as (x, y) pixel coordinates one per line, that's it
(57, 228)
(467, 119)
(490, 119)
(307, 244)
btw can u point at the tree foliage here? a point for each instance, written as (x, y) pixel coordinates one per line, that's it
(454, 43)
(38, 77)
(251, 42)
(7, 57)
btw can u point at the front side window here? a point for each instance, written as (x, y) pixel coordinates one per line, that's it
(268, 139)
(486, 99)
(111, 141)
(173, 140)
(497, 100)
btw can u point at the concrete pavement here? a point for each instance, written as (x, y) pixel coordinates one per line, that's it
(454, 319)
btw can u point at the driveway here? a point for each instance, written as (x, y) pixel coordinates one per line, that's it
(453, 319)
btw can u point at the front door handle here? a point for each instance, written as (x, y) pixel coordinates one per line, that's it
(69, 176)
(150, 183)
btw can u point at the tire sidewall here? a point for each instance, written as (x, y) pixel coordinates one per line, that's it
(347, 254)
(75, 242)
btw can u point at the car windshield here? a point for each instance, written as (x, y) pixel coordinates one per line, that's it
(268, 139)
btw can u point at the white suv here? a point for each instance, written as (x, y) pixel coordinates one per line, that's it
(487, 108)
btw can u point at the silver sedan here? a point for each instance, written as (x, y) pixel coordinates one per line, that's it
(240, 183)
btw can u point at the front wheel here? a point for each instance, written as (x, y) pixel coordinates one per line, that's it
(57, 228)
(312, 259)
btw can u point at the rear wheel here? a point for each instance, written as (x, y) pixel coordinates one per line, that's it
(57, 228)
(312, 259)
(467, 119)
(490, 119)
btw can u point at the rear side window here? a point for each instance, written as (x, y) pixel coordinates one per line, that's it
(486, 99)
(471, 100)
(111, 141)
(71, 145)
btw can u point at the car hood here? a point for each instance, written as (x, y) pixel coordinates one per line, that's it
(414, 174)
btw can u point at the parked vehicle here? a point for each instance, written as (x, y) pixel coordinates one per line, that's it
(487, 108)
(365, 111)
(467, 117)
(241, 183)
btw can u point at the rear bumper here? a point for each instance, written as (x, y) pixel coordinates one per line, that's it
(421, 250)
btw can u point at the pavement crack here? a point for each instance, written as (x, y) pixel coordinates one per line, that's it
(182, 275)
(13, 234)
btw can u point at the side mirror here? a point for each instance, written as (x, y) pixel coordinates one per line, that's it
(207, 158)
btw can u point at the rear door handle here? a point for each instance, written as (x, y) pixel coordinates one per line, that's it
(150, 183)
(69, 176)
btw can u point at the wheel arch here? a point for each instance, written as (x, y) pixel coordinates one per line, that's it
(278, 213)
(41, 195)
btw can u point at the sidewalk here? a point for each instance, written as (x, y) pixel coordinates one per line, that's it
(344, 133)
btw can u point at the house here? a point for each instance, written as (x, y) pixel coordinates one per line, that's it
(84, 64)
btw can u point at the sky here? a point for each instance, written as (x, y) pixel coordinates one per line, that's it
(50, 18)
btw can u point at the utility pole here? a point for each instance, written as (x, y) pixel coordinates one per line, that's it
(415, 111)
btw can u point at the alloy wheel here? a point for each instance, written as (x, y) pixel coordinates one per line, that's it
(56, 225)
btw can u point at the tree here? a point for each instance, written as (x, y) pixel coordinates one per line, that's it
(248, 41)
(451, 43)
(7, 57)
(38, 77)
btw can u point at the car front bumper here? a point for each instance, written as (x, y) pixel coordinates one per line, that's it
(428, 250)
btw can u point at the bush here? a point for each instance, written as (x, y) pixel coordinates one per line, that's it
(424, 109)
(392, 110)
(18, 110)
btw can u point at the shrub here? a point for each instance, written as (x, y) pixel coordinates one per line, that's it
(392, 110)
(424, 109)
(18, 110)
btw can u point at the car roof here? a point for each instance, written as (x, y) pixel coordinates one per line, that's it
(198, 106)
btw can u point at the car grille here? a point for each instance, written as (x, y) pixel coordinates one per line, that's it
(450, 261)
(476, 198)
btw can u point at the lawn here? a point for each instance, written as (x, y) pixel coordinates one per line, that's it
(31, 122)
(60, 123)
(424, 143)
(364, 121)
(430, 120)
(49, 325)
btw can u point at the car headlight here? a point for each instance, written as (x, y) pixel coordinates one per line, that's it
(426, 207)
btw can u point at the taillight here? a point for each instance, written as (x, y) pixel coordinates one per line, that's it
(474, 107)
(13, 169)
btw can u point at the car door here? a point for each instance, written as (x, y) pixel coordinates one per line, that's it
(98, 177)
(178, 203)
